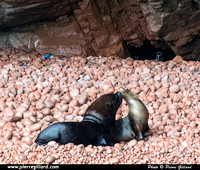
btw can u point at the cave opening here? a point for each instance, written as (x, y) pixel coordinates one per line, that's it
(148, 52)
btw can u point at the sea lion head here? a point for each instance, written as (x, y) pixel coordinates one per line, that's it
(104, 108)
(126, 93)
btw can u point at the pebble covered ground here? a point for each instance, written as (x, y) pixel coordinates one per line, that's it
(35, 93)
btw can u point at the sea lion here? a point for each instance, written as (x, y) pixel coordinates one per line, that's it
(135, 123)
(95, 128)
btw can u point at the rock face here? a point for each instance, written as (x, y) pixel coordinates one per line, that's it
(16, 12)
(177, 23)
(100, 27)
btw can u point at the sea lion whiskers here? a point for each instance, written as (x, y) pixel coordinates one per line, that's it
(128, 93)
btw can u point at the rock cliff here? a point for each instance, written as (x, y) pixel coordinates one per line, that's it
(100, 27)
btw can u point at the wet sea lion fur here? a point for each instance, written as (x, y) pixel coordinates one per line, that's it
(95, 128)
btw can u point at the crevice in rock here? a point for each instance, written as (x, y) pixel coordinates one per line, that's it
(78, 18)
(148, 52)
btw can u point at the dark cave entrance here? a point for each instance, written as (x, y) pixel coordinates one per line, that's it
(148, 52)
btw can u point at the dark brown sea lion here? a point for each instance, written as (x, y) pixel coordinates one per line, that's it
(95, 128)
(135, 123)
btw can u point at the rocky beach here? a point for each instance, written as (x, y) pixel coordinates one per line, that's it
(36, 92)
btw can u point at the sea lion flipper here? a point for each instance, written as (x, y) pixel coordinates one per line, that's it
(104, 141)
(139, 136)
(147, 128)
